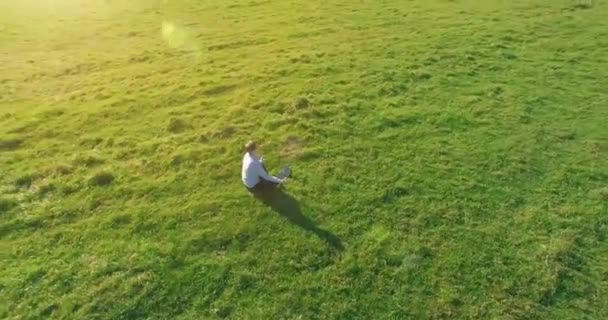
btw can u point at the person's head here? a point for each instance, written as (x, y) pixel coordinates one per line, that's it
(251, 146)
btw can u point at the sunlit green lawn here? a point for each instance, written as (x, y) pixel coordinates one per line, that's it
(450, 159)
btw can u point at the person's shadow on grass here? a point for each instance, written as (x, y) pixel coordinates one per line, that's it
(287, 206)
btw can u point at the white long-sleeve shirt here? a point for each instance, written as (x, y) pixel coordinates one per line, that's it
(253, 171)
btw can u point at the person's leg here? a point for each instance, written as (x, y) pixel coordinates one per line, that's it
(267, 186)
(263, 187)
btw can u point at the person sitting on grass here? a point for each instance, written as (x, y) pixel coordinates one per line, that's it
(254, 174)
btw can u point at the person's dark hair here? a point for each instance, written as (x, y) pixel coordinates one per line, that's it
(251, 146)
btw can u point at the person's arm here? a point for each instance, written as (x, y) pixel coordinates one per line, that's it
(264, 175)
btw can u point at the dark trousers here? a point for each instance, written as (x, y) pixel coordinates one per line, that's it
(264, 186)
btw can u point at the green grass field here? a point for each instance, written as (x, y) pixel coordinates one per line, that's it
(450, 159)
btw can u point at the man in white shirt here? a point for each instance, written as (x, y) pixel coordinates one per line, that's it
(254, 175)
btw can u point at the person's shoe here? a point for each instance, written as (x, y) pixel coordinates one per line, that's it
(285, 173)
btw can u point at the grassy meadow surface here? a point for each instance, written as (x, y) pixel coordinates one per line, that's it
(450, 159)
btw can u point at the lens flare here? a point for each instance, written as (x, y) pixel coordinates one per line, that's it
(179, 38)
